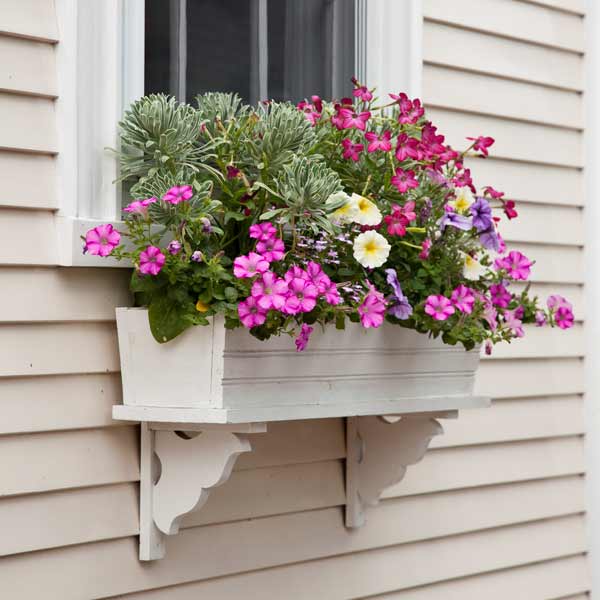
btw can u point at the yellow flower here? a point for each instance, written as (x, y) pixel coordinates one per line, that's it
(472, 268)
(464, 199)
(201, 307)
(371, 249)
(367, 211)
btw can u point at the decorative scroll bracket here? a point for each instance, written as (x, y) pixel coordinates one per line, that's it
(379, 449)
(178, 471)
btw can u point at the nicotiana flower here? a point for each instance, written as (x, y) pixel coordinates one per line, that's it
(410, 110)
(438, 307)
(303, 337)
(270, 291)
(401, 308)
(272, 249)
(472, 268)
(351, 120)
(249, 266)
(404, 180)
(250, 313)
(400, 217)
(363, 93)
(262, 231)
(509, 209)
(351, 150)
(425, 248)
(464, 200)
(481, 211)
(151, 260)
(481, 144)
(367, 212)
(517, 265)
(178, 194)
(463, 299)
(408, 147)
(372, 308)
(378, 143)
(101, 240)
(371, 249)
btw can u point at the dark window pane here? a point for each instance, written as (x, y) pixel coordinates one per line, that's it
(157, 47)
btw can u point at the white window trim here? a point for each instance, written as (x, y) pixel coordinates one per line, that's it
(100, 62)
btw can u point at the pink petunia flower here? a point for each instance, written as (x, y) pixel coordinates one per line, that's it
(303, 337)
(139, 207)
(270, 291)
(378, 143)
(351, 150)
(262, 231)
(540, 318)
(178, 194)
(151, 260)
(438, 307)
(332, 295)
(500, 295)
(372, 309)
(314, 273)
(404, 180)
(251, 315)
(174, 247)
(302, 296)
(517, 265)
(101, 240)
(514, 323)
(564, 317)
(272, 249)
(463, 299)
(555, 302)
(482, 143)
(249, 266)
(352, 120)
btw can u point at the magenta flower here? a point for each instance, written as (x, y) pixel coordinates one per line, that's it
(262, 231)
(431, 141)
(363, 93)
(139, 207)
(463, 179)
(372, 309)
(331, 295)
(399, 219)
(272, 249)
(151, 260)
(501, 297)
(351, 150)
(311, 112)
(303, 337)
(517, 265)
(481, 144)
(514, 323)
(197, 256)
(404, 180)
(555, 302)
(315, 273)
(540, 318)
(509, 209)
(438, 307)
(249, 266)
(251, 315)
(410, 110)
(178, 194)
(302, 296)
(378, 143)
(351, 120)
(564, 317)
(408, 147)
(101, 240)
(463, 299)
(490, 191)
(425, 248)
(270, 291)
(233, 172)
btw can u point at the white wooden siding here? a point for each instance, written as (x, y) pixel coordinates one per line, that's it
(494, 511)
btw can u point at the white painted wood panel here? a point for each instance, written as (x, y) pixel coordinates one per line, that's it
(215, 550)
(473, 92)
(554, 264)
(27, 237)
(29, 18)
(532, 182)
(539, 581)
(574, 6)
(19, 188)
(484, 53)
(28, 67)
(511, 20)
(70, 294)
(514, 140)
(27, 123)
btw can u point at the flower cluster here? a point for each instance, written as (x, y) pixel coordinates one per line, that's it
(280, 217)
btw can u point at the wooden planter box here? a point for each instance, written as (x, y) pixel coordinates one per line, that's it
(213, 375)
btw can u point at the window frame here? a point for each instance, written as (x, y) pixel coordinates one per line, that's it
(100, 62)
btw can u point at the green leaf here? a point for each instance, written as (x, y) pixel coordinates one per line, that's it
(229, 215)
(167, 319)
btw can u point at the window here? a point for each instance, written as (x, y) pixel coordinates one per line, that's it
(112, 52)
(261, 49)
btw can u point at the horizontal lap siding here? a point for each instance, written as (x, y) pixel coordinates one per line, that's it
(494, 509)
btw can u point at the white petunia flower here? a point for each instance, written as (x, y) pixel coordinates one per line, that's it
(371, 249)
(472, 268)
(368, 213)
(464, 199)
(348, 212)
